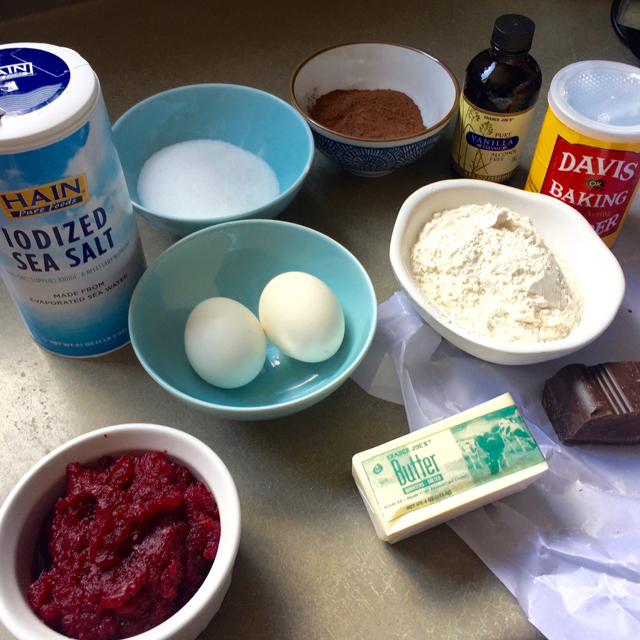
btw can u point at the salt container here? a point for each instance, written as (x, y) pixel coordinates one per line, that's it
(70, 254)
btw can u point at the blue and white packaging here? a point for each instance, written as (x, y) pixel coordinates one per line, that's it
(70, 254)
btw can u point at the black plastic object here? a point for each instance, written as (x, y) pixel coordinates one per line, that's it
(628, 35)
(513, 33)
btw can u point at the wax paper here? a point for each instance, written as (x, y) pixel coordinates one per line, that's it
(567, 547)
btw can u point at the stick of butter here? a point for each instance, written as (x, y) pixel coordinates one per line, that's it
(446, 469)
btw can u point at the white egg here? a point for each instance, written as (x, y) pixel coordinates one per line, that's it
(302, 316)
(225, 343)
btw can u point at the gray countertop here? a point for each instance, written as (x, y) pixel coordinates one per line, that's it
(309, 565)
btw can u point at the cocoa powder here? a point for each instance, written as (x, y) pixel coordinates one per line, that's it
(380, 114)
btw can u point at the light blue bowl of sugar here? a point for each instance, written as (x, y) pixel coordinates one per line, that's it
(253, 120)
(236, 260)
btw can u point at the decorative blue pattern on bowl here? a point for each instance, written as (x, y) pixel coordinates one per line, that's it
(370, 66)
(373, 161)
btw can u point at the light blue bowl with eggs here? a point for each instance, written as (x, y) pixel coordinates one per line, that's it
(248, 118)
(236, 260)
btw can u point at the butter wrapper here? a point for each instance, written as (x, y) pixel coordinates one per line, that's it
(449, 468)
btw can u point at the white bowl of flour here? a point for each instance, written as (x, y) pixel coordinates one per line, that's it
(509, 276)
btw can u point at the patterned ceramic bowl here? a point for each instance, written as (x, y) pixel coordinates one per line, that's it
(565, 231)
(376, 65)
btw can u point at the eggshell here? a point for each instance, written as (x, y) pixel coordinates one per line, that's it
(225, 343)
(302, 316)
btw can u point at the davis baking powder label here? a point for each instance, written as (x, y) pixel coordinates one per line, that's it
(597, 182)
(597, 178)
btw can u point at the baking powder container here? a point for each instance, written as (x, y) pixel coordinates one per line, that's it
(588, 153)
(70, 254)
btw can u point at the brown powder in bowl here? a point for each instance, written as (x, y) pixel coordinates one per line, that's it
(380, 114)
(127, 546)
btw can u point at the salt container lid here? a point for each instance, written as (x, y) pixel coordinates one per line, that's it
(46, 93)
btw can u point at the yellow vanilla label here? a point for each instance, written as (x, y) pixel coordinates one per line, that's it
(35, 201)
(487, 145)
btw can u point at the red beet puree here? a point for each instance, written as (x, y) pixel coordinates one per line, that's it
(130, 543)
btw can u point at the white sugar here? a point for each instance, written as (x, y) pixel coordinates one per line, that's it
(205, 178)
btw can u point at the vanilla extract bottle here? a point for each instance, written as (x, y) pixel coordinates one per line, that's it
(499, 92)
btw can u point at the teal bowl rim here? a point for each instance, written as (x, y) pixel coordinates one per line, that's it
(243, 89)
(264, 408)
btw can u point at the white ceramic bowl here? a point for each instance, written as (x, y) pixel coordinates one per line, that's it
(376, 65)
(565, 232)
(35, 494)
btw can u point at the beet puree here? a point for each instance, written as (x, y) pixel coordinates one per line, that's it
(130, 543)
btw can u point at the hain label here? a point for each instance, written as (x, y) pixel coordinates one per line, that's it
(46, 198)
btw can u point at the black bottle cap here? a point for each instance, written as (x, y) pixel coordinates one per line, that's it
(513, 33)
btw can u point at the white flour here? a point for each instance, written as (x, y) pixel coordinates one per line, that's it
(489, 271)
